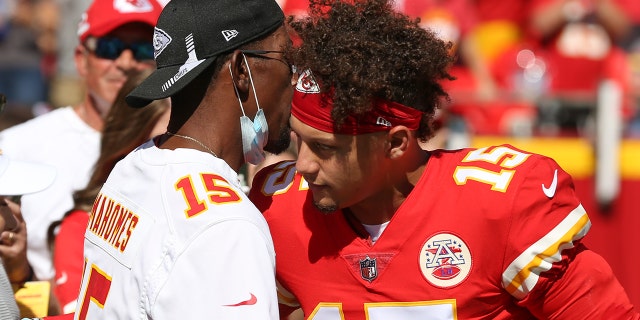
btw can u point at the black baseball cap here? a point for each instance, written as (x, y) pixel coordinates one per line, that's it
(190, 34)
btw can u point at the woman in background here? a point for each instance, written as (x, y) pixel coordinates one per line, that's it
(125, 129)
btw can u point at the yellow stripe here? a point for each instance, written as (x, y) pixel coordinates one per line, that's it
(575, 155)
(515, 287)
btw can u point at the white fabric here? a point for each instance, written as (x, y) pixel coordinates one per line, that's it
(176, 265)
(375, 230)
(20, 177)
(60, 139)
(8, 307)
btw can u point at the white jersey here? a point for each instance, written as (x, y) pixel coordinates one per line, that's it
(61, 139)
(172, 236)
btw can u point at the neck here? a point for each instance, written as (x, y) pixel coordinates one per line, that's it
(192, 139)
(381, 206)
(90, 115)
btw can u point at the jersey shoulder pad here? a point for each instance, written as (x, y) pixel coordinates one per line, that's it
(275, 180)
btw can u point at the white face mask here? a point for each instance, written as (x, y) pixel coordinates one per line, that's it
(254, 133)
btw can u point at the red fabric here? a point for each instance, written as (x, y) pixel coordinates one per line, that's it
(615, 234)
(295, 7)
(461, 12)
(512, 10)
(574, 70)
(631, 8)
(318, 254)
(314, 109)
(496, 117)
(68, 316)
(105, 15)
(68, 258)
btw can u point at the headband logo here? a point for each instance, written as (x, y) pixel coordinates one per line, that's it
(306, 83)
(383, 122)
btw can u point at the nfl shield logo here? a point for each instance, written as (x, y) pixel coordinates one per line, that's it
(368, 269)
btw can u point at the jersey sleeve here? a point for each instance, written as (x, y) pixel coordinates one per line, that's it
(547, 268)
(272, 180)
(68, 259)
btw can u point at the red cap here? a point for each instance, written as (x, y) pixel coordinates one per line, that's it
(105, 15)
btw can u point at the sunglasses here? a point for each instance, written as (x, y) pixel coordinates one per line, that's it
(261, 54)
(112, 48)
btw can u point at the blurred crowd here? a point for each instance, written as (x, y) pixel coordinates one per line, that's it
(525, 67)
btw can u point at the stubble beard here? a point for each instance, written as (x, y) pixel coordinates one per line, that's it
(326, 209)
(280, 145)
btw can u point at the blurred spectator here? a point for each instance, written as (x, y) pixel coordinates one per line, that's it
(26, 38)
(454, 20)
(16, 178)
(478, 102)
(578, 40)
(578, 37)
(114, 41)
(67, 87)
(125, 129)
(631, 44)
(500, 26)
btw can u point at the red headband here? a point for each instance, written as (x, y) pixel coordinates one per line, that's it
(313, 108)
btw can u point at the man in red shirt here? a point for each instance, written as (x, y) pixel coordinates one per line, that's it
(391, 231)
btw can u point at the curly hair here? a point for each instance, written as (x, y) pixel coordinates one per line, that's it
(365, 50)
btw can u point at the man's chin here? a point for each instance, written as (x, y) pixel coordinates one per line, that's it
(280, 145)
(276, 147)
(326, 209)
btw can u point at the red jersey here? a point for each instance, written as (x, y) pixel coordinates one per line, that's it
(490, 233)
(68, 258)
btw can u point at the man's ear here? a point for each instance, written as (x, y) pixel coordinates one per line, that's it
(398, 141)
(81, 59)
(240, 74)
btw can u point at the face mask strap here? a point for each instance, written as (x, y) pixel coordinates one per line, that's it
(236, 89)
(251, 79)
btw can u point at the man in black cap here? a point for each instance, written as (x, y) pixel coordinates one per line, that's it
(171, 234)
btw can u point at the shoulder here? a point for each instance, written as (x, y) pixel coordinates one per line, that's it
(521, 181)
(76, 217)
(190, 188)
(56, 118)
(55, 127)
(279, 182)
(494, 165)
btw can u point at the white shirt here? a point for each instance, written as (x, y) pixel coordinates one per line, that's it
(173, 236)
(61, 139)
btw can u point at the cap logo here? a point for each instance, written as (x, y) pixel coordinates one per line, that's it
(83, 25)
(229, 34)
(188, 65)
(306, 83)
(132, 6)
(161, 40)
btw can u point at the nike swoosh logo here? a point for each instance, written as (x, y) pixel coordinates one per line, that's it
(63, 278)
(253, 300)
(551, 191)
